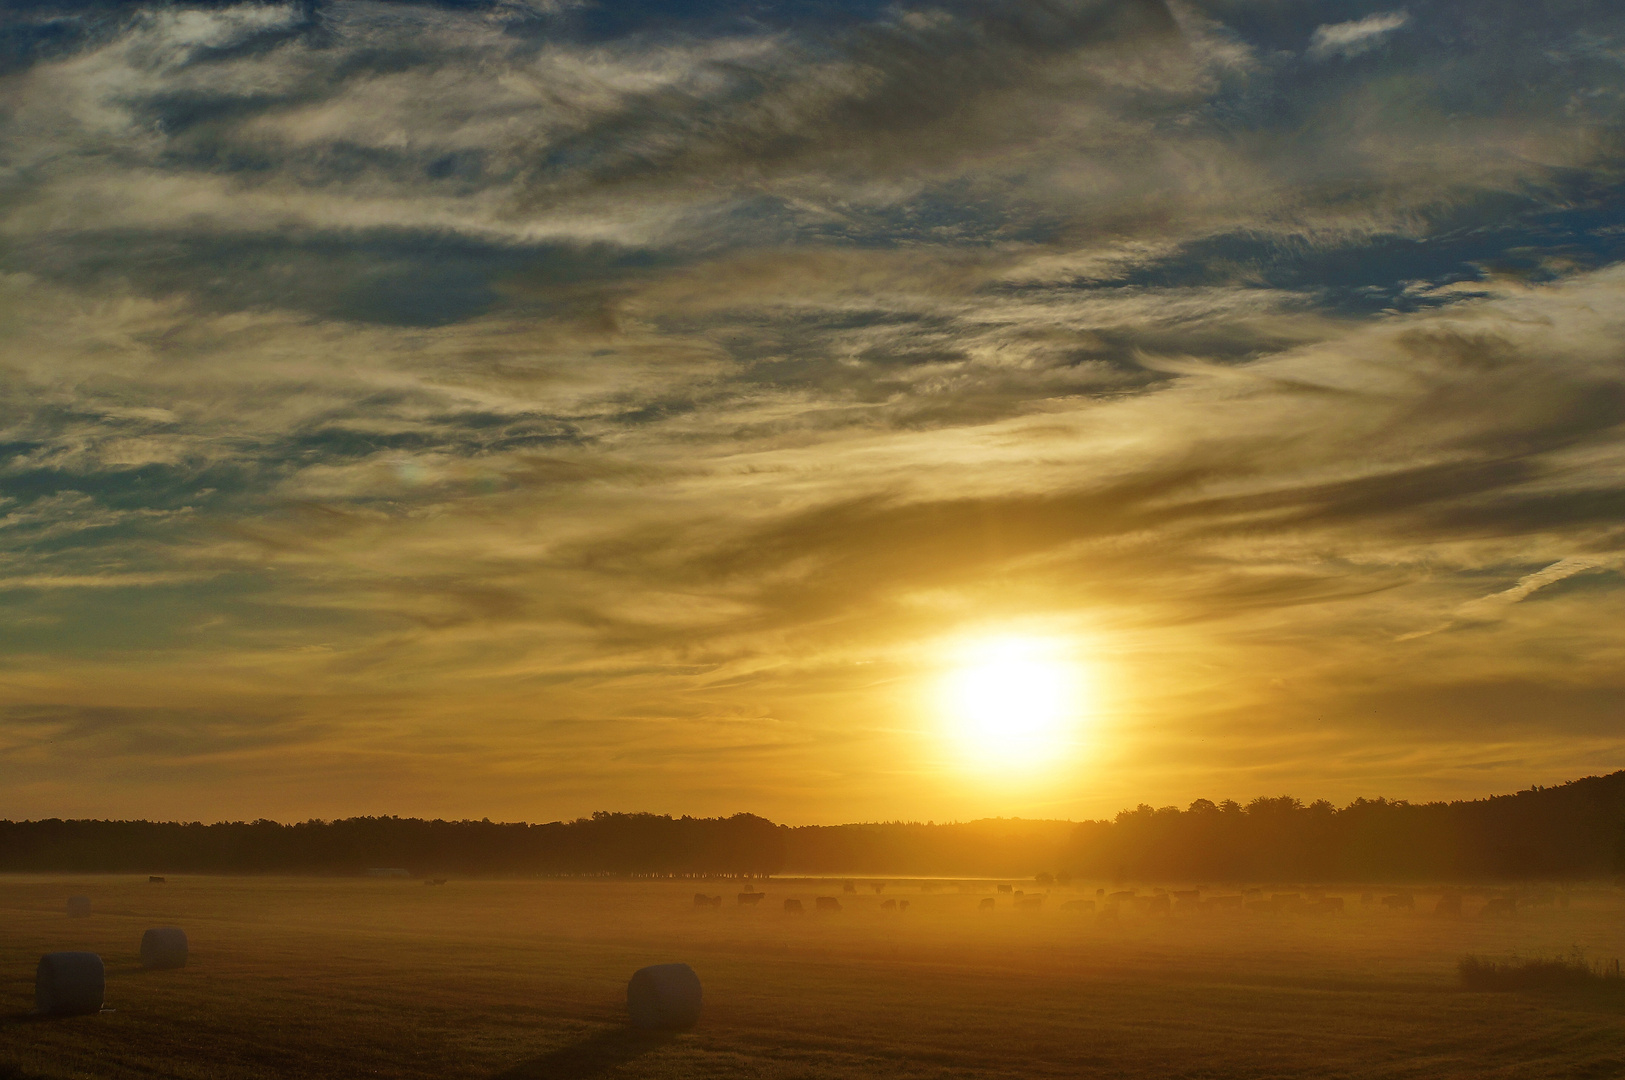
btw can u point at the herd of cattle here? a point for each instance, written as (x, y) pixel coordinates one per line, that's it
(1165, 902)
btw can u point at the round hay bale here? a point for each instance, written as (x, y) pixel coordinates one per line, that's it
(664, 996)
(78, 907)
(163, 947)
(69, 983)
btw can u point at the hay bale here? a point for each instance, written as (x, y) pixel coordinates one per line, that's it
(69, 983)
(78, 907)
(664, 996)
(163, 947)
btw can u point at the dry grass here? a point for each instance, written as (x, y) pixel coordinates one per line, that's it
(1572, 972)
(525, 980)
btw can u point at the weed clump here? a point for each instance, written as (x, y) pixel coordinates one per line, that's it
(1572, 972)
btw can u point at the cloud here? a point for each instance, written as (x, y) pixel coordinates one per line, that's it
(677, 381)
(1354, 37)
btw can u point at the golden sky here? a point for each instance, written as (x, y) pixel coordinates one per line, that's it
(522, 409)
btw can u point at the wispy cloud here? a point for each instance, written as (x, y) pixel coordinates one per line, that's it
(1355, 37)
(589, 386)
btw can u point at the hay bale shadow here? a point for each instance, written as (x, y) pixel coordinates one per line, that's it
(592, 1056)
(19, 1019)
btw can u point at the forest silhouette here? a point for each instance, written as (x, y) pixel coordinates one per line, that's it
(1571, 831)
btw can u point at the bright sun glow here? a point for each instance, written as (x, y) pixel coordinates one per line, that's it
(1012, 703)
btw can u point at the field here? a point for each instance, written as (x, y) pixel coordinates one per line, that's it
(306, 977)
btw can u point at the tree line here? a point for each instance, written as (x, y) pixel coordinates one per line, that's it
(1571, 831)
(1574, 830)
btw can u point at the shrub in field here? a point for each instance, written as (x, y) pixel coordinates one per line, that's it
(1539, 973)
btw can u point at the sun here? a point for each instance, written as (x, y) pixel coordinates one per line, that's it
(1012, 703)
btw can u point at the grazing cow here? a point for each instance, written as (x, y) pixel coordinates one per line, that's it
(1501, 905)
(985, 905)
(702, 900)
(827, 903)
(888, 905)
(1100, 894)
(877, 886)
(155, 880)
(1030, 903)
(1399, 900)
(902, 905)
(793, 906)
(1078, 905)
(1121, 897)
(1004, 888)
(849, 886)
(1449, 905)
(751, 897)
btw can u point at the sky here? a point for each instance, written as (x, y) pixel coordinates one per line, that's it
(521, 409)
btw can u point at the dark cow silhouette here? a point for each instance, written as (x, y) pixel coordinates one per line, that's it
(1400, 900)
(751, 897)
(827, 903)
(902, 905)
(793, 905)
(849, 886)
(985, 905)
(888, 905)
(1502, 905)
(702, 900)
(877, 886)
(1004, 888)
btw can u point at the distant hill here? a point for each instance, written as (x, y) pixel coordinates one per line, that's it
(1571, 831)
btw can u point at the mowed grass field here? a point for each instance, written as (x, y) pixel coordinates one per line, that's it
(307, 977)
